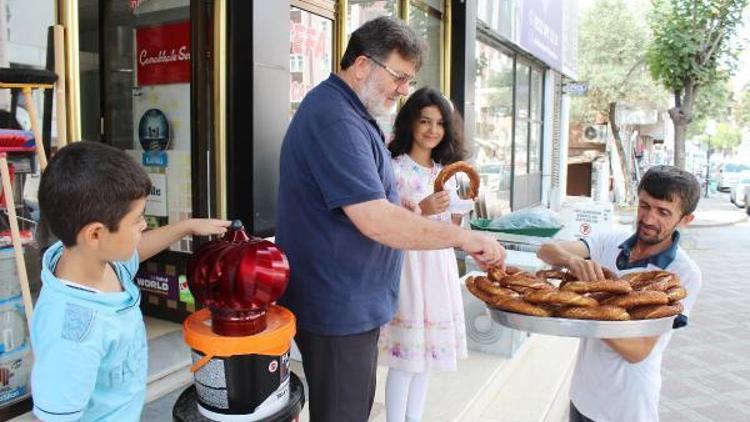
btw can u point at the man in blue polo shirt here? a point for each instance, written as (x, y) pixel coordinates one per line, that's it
(341, 223)
(620, 379)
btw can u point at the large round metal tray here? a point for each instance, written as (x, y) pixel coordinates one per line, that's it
(564, 327)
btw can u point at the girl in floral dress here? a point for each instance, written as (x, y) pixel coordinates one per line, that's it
(428, 330)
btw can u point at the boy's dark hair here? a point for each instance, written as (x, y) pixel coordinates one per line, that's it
(379, 37)
(451, 147)
(87, 182)
(668, 183)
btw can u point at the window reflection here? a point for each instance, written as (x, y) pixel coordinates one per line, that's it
(361, 11)
(522, 119)
(499, 15)
(426, 22)
(494, 126)
(310, 53)
(535, 139)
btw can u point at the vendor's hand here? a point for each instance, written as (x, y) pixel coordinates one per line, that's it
(207, 226)
(485, 249)
(585, 269)
(436, 203)
(411, 206)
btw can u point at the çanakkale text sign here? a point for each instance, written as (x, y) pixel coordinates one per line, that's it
(541, 30)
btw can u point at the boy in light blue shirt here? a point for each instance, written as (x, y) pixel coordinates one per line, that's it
(87, 330)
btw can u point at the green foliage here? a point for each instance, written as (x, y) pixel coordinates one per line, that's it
(742, 111)
(692, 49)
(611, 59)
(691, 41)
(727, 137)
(713, 102)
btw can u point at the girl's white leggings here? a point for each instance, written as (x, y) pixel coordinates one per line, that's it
(405, 394)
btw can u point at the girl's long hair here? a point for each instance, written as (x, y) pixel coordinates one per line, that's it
(451, 147)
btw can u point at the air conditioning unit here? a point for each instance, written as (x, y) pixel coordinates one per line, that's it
(483, 334)
(597, 134)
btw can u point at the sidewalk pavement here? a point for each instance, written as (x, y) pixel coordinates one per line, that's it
(716, 210)
(706, 373)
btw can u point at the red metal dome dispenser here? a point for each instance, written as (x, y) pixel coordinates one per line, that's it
(237, 277)
(240, 341)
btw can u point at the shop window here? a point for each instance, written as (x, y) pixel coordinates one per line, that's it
(361, 11)
(427, 22)
(494, 126)
(528, 136)
(521, 145)
(500, 15)
(139, 100)
(310, 53)
(535, 121)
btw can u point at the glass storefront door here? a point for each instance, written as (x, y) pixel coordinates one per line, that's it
(527, 168)
(136, 73)
(493, 140)
(508, 129)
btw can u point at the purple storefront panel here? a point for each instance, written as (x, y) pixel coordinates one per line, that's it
(541, 28)
(159, 284)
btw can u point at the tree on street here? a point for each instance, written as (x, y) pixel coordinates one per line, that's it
(713, 102)
(742, 112)
(612, 61)
(692, 48)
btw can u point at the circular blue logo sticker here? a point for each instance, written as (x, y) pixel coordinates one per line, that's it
(153, 130)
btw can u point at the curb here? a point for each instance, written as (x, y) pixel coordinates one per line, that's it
(719, 223)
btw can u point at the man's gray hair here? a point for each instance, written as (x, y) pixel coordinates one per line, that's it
(379, 37)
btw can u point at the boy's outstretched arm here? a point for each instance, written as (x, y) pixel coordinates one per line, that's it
(156, 240)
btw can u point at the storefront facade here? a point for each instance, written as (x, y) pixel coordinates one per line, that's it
(517, 56)
(201, 92)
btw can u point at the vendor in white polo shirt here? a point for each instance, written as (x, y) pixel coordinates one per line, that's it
(620, 379)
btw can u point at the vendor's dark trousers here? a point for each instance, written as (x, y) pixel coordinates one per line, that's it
(340, 373)
(576, 416)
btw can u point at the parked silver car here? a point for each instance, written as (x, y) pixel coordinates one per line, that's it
(737, 193)
(728, 175)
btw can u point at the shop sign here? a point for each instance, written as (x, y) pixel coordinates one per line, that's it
(158, 284)
(163, 54)
(576, 89)
(585, 218)
(541, 30)
(153, 130)
(156, 201)
(155, 159)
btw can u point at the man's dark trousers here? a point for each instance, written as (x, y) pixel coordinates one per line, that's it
(340, 373)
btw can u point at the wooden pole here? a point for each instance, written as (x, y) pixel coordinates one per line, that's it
(58, 35)
(15, 234)
(31, 108)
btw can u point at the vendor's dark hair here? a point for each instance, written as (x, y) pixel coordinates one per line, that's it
(668, 183)
(87, 182)
(451, 147)
(379, 37)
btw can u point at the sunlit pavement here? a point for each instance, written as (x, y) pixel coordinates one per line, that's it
(706, 369)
